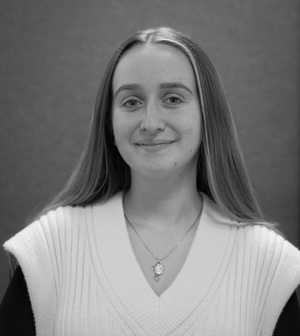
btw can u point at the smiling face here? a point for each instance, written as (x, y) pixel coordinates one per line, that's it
(156, 113)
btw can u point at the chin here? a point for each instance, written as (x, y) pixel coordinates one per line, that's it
(157, 169)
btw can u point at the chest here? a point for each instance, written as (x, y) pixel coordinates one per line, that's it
(172, 254)
(103, 289)
(88, 306)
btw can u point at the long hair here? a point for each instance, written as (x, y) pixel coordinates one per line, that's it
(221, 171)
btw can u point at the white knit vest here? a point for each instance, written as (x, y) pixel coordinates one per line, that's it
(83, 277)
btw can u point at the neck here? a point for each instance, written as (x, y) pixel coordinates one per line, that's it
(157, 204)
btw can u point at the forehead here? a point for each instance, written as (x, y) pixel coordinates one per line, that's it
(149, 65)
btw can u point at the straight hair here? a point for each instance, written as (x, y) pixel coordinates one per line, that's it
(101, 172)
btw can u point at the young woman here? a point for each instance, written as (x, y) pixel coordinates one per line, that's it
(158, 231)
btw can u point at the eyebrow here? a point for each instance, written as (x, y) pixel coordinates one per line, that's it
(167, 85)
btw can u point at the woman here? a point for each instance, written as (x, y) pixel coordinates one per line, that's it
(158, 231)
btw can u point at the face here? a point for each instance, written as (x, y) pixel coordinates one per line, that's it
(155, 113)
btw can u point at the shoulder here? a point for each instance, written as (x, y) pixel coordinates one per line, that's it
(38, 249)
(57, 224)
(273, 264)
(282, 269)
(38, 229)
(270, 247)
(272, 261)
(264, 238)
(38, 239)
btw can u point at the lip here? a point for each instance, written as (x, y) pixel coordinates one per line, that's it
(153, 143)
(153, 147)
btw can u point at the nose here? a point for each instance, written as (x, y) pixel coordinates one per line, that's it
(152, 121)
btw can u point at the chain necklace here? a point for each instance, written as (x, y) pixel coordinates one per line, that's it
(159, 268)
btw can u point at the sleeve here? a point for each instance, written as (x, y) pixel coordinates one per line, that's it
(34, 250)
(285, 281)
(16, 306)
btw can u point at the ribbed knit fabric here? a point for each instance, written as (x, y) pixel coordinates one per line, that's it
(83, 277)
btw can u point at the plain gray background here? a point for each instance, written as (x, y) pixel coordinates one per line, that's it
(53, 55)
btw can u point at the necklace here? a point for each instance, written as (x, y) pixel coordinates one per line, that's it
(159, 268)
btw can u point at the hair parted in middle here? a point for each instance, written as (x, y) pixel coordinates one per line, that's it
(221, 171)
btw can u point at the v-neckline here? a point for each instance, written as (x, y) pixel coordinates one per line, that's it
(181, 270)
(117, 268)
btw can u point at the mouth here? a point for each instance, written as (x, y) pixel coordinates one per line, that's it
(153, 144)
(153, 147)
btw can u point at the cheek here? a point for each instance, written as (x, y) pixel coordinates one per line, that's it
(192, 131)
(190, 122)
(192, 136)
(120, 126)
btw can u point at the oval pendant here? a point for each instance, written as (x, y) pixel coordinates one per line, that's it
(158, 270)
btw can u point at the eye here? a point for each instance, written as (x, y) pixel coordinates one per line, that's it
(130, 103)
(174, 99)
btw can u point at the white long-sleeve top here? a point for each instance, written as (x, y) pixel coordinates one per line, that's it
(84, 279)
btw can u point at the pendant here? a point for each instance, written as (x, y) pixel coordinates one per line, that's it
(158, 270)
